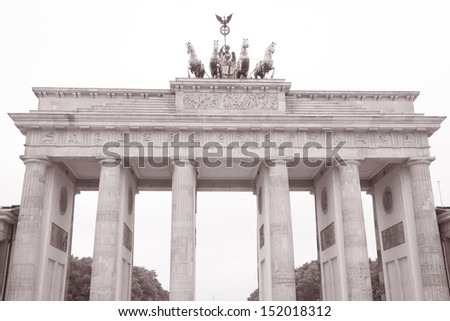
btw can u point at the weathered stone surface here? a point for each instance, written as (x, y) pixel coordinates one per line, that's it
(105, 260)
(431, 261)
(393, 236)
(182, 255)
(72, 126)
(356, 256)
(23, 280)
(281, 243)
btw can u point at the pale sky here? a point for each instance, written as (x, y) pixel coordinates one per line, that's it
(321, 45)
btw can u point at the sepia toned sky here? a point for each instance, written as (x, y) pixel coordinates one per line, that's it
(321, 45)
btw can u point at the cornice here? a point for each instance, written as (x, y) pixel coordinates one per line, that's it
(141, 121)
(185, 84)
(62, 92)
(229, 85)
(324, 95)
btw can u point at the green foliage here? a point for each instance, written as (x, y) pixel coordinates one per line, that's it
(377, 289)
(79, 279)
(254, 296)
(308, 283)
(145, 285)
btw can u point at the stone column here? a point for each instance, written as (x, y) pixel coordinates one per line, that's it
(355, 245)
(104, 261)
(431, 260)
(281, 242)
(22, 282)
(182, 255)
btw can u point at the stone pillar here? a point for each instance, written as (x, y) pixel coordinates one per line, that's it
(104, 262)
(23, 280)
(281, 242)
(276, 273)
(431, 260)
(182, 255)
(355, 245)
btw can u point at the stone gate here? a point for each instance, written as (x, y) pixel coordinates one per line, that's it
(239, 135)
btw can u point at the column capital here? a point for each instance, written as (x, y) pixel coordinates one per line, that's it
(284, 160)
(183, 162)
(420, 160)
(29, 159)
(108, 160)
(352, 161)
(272, 162)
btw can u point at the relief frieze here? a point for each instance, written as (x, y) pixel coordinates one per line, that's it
(225, 137)
(230, 101)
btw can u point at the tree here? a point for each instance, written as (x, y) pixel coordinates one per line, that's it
(79, 279)
(145, 285)
(307, 282)
(375, 278)
(254, 296)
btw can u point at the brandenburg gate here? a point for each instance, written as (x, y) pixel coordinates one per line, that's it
(230, 135)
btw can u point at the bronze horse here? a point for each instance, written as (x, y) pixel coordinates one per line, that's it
(215, 66)
(194, 65)
(265, 65)
(243, 64)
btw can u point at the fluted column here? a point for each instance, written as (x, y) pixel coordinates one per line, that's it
(182, 255)
(22, 282)
(281, 241)
(104, 261)
(431, 259)
(355, 245)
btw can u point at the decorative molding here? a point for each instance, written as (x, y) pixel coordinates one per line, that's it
(420, 161)
(393, 236)
(127, 238)
(261, 236)
(130, 200)
(388, 200)
(324, 200)
(59, 238)
(63, 200)
(353, 95)
(224, 136)
(230, 101)
(110, 93)
(47, 137)
(230, 85)
(327, 237)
